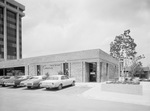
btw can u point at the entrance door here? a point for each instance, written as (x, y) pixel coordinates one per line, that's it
(92, 72)
(65, 69)
(38, 70)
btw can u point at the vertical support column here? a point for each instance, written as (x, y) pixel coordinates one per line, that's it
(41, 66)
(62, 67)
(108, 72)
(98, 72)
(5, 34)
(100, 76)
(69, 69)
(27, 70)
(84, 72)
(17, 31)
(35, 69)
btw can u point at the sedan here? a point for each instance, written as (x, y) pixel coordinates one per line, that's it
(35, 81)
(10, 82)
(24, 83)
(3, 79)
(57, 81)
(17, 81)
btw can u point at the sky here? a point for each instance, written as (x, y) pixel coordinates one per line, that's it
(60, 26)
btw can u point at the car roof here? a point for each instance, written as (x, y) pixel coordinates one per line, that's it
(38, 76)
(57, 75)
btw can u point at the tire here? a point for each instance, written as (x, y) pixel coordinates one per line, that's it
(73, 83)
(15, 85)
(39, 86)
(29, 87)
(60, 87)
(3, 85)
(47, 88)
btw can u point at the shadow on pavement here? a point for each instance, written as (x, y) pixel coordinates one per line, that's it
(55, 89)
(31, 88)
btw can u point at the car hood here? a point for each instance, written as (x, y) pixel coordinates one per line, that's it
(10, 80)
(18, 80)
(33, 80)
(49, 81)
(3, 80)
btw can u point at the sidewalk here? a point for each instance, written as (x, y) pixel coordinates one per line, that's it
(96, 93)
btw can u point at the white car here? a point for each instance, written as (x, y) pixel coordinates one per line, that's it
(57, 81)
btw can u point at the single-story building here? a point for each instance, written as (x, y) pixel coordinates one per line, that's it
(86, 66)
(143, 74)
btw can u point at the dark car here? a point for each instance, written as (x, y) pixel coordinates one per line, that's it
(17, 81)
(3, 79)
(35, 81)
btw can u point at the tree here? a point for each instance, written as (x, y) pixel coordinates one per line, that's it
(121, 43)
(136, 69)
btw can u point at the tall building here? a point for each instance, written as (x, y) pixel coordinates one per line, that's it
(11, 13)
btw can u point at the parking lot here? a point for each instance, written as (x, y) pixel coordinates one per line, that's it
(67, 99)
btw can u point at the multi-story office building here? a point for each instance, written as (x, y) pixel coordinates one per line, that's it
(11, 13)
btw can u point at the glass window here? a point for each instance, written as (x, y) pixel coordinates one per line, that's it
(11, 5)
(2, 1)
(52, 78)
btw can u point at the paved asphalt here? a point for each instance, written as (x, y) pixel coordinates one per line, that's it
(67, 99)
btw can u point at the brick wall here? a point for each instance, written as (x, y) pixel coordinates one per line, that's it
(76, 71)
(103, 72)
(123, 88)
(51, 69)
(32, 70)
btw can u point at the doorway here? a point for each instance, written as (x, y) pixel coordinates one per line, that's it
(65, 69)
(91, 72)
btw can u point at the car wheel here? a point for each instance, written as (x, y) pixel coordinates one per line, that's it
(29, 87)
(39, 86)
(73, 83)
(15, 85)
(60, 86)
(3, 85)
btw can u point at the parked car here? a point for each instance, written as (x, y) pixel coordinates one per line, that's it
(144, 79)
(3, 79)
(17, 80)
(35, 81)
(24, 83)
(10, 82)
(57, 81)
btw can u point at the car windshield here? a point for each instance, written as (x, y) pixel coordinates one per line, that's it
(23, 77)
(12, 77)
(52, 78)
(30, 77)
(6, 77)
(18, 77)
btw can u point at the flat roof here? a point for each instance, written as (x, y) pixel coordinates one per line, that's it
(62, 57)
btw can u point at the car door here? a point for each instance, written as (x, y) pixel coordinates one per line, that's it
(68, 82)
(63, 79)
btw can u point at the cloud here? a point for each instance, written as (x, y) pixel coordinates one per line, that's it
(56, 26)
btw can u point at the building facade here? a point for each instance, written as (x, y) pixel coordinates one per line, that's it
(86, 66)
(11, 13)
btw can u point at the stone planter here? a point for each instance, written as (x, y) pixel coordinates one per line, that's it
(123, 88)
